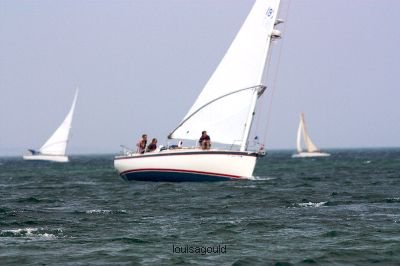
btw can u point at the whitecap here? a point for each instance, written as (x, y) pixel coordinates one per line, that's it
(20, 232)
(35, 233)
(312, 204)
(84, 183)
(47, 236)
(98, 211)
(251, 186)
(392, 200)
(104, 211)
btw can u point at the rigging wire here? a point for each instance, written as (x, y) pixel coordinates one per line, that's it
(274, 80)
(261, 101)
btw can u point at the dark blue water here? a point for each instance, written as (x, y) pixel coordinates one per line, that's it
(342, 210)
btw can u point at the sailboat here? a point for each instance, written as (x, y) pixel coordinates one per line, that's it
(54, 149)
(312, 150)
(225, 109)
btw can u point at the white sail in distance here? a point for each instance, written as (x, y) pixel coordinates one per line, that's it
(298, 139)
(227, 101)
(307, 140)
(57, 143)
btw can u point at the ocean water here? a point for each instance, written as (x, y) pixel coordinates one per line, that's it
(341, 210)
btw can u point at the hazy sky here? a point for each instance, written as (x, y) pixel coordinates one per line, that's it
(140, 64)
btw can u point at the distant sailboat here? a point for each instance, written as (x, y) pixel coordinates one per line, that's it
(55, 147)
(225, 108)
(312, 150)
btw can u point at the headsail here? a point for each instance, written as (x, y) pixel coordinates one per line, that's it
(226, 104)
(57, 143)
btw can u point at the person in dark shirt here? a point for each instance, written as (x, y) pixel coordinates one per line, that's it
(205, 141)
(152, 146)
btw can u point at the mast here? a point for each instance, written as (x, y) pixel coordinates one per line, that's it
(249, 121)
(257, 91)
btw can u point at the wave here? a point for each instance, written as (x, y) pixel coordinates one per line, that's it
(105, 211)
(332, 233)
(37, 233)
(312, 204)
(263, 261)
(33, 199)
(261, 178)
(385, 200)
(4, 210)
(82, 183)
(392, 200)
(130, 240)
(29, 200)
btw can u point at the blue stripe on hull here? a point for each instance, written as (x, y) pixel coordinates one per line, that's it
(157, 176)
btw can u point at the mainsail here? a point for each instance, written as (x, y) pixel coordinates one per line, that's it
(57, 143)
(226, 105)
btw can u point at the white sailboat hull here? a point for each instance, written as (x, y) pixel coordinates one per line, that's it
(310, 154)
(187, 165)
(43, 157)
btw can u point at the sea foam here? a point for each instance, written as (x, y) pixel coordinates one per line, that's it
(312, 204)
(37, 233)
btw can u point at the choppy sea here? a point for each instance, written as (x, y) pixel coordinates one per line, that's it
(341, 210)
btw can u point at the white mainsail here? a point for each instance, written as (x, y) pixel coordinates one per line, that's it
(57, 143)
(307, 140)
(225, 107)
